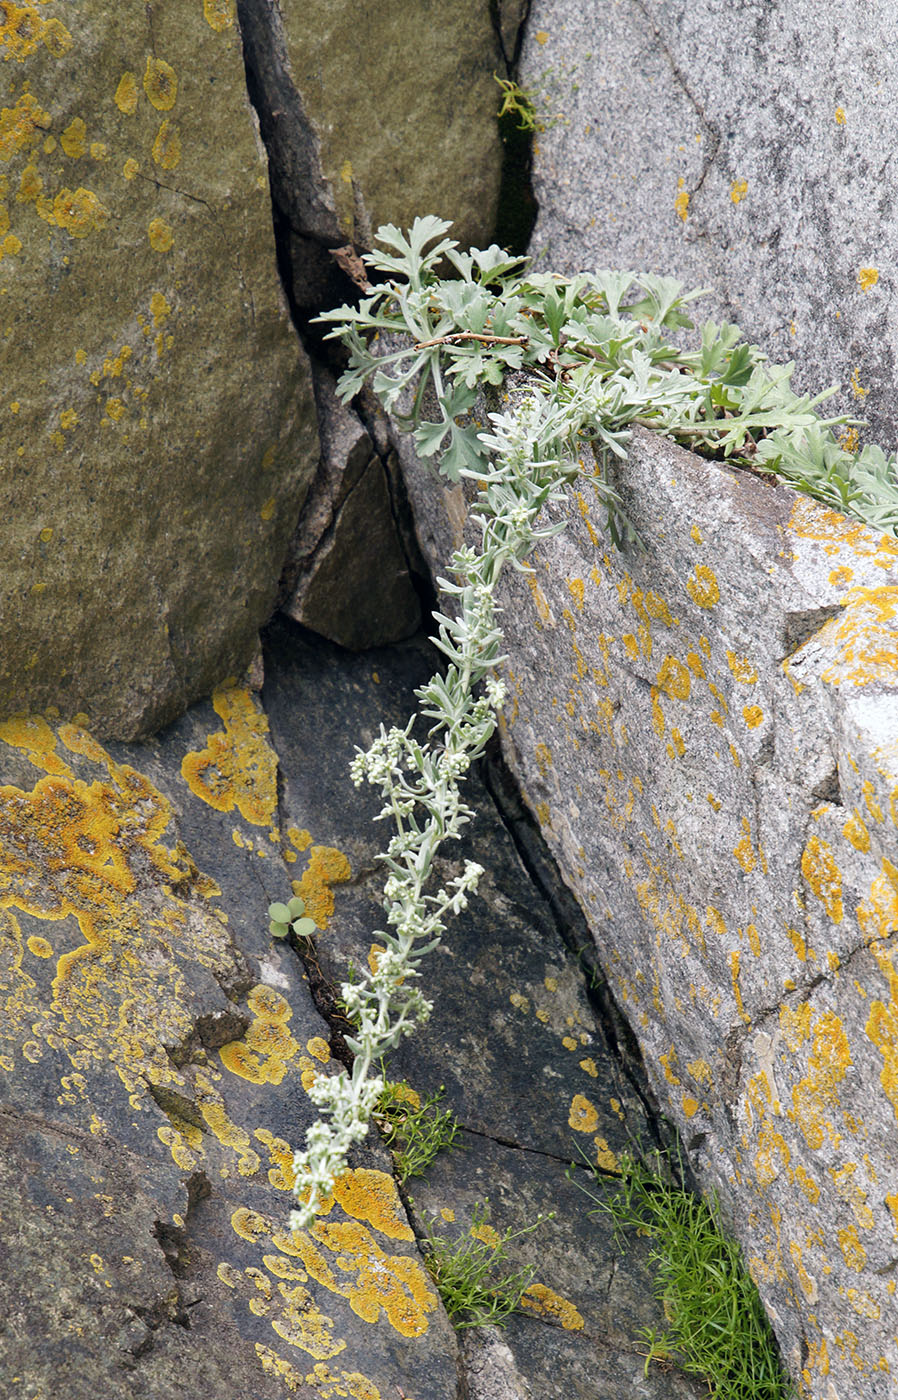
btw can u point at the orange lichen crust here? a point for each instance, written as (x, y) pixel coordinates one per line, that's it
(341, 1256)
(264, 1055)
(93, 852)
(238, 766)
(547, 1304)
(326, 867)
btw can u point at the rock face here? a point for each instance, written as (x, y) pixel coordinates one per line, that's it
(376, 114)
(746, 148)
(346, 575)
(156, 420)
(157, 1047)
(706, 732)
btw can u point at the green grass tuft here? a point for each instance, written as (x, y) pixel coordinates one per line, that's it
(717, 1326)
(415, 1133)
(471, 1273)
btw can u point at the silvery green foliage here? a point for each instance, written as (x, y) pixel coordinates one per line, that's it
(595, 356)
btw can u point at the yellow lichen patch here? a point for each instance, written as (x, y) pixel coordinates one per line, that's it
(394, 1284)
(130, 168)
(263, 1056)
(753, 715)
(590, 1068)
(39, 947)
(238, 767)
(79, 212)
(743, 850)
(882, 1028)
(539, 598)
(576, 589)
(823, 876)
(219, 14)
(92, 853)
(229, 1133)
(22, 29)
(160, 83)
(19, 125)
(319, 1047)
(160, 235)
(674, 679)
(853, 1251)
(681, 200)
(371, 1195)
(36, 739)
(742, 669)
(178, 1146)
(167, 146)
(281, 1173)
(582, 1116)
(605, 1157)
(840, 116)
(548, 1304)
(486, 1234)
(828, 1064)
(702, 587)
(867, 278)
(864, 639)
(350, 1383)
(74, 139)
(877, 915)
(738, 191)
(126, 94)
(327, 866)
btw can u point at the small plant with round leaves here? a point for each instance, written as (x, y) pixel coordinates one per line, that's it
(290, 918)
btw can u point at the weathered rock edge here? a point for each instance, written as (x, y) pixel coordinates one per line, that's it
(706, 733)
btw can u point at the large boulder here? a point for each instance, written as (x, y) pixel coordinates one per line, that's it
(156, 421)
(747, 148)
(706, 732)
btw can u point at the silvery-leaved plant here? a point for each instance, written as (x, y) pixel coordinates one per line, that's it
(586, 358)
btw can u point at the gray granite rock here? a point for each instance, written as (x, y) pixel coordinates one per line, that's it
(706, 733)
(748, 148)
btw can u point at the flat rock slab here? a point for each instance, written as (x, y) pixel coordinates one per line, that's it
(156, 1048)
(513, 1038)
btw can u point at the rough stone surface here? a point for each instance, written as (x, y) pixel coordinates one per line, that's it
(156, 1045)
(707, 733)
(513, 1039)
(372, 115)
(346, 575)
(744, 147)
(156, 423)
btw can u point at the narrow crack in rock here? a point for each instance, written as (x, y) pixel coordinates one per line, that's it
(680, 78)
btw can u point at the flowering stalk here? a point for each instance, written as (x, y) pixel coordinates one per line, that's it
(419, 782)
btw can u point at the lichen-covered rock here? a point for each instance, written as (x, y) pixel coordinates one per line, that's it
(156, 425)
(519, 1048)
(745, 148)
(346, 575)
(706, 731)
(155, 1053)
(376, 114)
